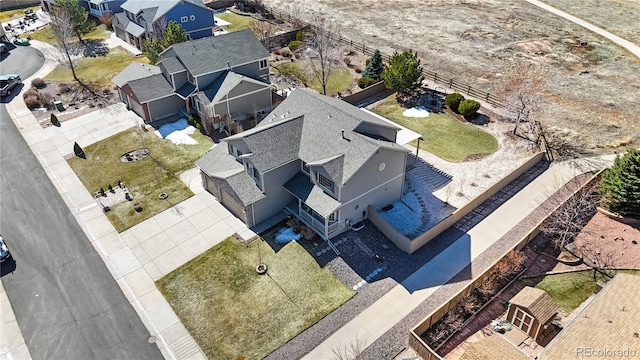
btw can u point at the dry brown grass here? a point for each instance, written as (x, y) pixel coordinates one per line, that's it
(590, 80)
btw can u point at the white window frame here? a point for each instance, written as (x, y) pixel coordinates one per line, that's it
(324, 181)
(184, 19)
(265, 62)
(305, 168)
(192, 17)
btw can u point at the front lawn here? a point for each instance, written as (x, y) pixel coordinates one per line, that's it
(238, 22)
(233, 312)
(46, 34)
(569, 290)
(145, 179)
(98, 70)
(339, 80)
(444, 136)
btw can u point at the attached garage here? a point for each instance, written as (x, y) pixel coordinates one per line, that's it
(232, 205)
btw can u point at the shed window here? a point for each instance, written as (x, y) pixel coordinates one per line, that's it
(184, 19)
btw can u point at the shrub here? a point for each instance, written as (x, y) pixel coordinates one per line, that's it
(45, 99)
(347, 60)
(358, 69)
(31, 101)
(64, 88)
(200, 128)
(453, 101)
(468, 107)
(191, 120)
(294, 45)
(365, 81)
(106, 20)
(38, 83)
(300, 36)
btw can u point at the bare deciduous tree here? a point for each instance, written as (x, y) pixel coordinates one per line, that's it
(296, 11)
(521, 89)
(570, 217)
(262, 30)
(327, 51)
(598, 259)
(64, 32)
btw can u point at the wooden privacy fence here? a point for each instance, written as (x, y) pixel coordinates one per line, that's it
(427, 74)
(416, 342)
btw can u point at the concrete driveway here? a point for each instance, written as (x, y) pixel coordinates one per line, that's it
(144, 253)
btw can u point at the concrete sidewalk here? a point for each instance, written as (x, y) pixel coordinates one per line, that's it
(138, 256)
(372, 323)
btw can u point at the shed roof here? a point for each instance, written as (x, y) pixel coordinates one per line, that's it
(537, 302)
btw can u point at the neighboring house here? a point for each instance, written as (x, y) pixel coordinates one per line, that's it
(142, 18)
(100, 8)
(532, 310)
(607, 328)
(315, 157)
(221, 78)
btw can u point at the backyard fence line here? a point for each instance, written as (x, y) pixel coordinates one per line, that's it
(368, 50)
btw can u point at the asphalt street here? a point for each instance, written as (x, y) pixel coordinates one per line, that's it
(67, 304)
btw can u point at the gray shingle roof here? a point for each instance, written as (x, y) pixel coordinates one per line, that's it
(218, 163)
(128, 25)
(302, 188)
(172, 64)
(151, 88)
(324, 118)
(185, 90)
(245, 188)
(222, 85)
(210, 54)
(135, 71)
(152, 10)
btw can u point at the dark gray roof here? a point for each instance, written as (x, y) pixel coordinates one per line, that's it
(128, 25)
(151, 88)
(135, 71)
(211, 54)
(152, 10)
(245, 188)
(279, 145)
(302, 188)
(172, 64)
(324, 119)
(222, 85)
(219, 164)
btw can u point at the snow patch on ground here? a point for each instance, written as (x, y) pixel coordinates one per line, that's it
(403, 218)
(416, 112)
(286, 235)
(177, 132)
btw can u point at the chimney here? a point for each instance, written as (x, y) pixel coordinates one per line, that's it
(228, 66)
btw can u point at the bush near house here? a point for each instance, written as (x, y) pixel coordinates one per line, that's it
(468, 107)
(365, 81)
(453, 101)
(294, 45)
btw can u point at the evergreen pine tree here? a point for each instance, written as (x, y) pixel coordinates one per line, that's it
(54, 120)
(374, 67)
(620, 185)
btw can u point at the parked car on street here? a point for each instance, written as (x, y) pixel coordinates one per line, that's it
(4, 252)
(8, 82)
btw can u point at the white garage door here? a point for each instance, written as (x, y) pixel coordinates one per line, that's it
(137, 108)
(230, 203)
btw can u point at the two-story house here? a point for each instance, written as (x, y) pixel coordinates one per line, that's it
(95, 8)
(315, 157)
(142, 18)
(223, 78)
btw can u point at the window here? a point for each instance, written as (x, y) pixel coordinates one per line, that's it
(263, 64)
(305, 168)
(325, 182)
(254, 173)
(234, 151)
(190, 78)
(522, 320)
(192, 17)
(184, 19)
(333, 217)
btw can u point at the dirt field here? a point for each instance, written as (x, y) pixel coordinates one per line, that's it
(591, 96)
